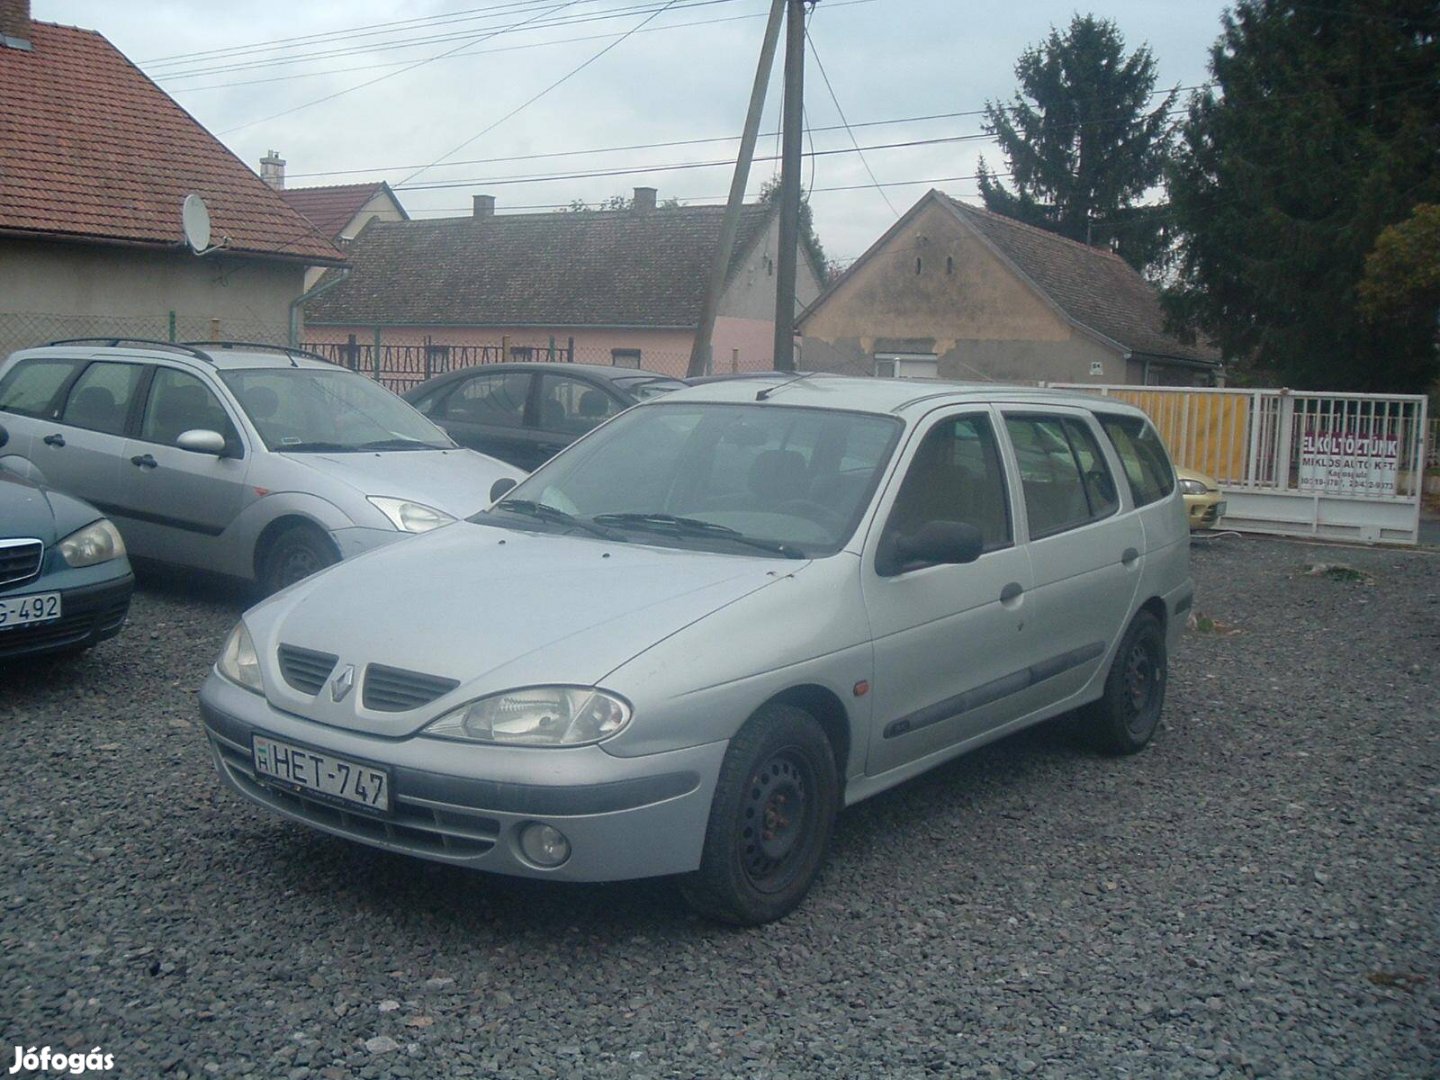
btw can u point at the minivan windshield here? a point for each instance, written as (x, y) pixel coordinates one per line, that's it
(304, 409)
(749, 478)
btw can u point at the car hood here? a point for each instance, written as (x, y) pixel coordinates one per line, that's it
(493, 609)
(29, 510)
(456, 481)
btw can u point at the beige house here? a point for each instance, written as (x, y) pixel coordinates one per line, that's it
(619, 287)
(955, 292)
(96, 162)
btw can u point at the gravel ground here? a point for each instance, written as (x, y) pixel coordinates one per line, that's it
(1255, 895)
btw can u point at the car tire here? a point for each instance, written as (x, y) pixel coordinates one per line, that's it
(295, 553)
(1124, 719)
(770, 820)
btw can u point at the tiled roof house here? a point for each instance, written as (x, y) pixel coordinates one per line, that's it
(95, 163)
(960, 293)
(625, 285)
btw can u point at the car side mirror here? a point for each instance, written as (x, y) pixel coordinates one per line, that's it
(4, 435)
(501, 486)
(934, 543)
(201, 441)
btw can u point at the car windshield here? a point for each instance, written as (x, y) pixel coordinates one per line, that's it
(305, 409)
(643, 387)
(759, 478)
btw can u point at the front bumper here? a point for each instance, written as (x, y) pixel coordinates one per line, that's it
(89, 614)
(466, 804)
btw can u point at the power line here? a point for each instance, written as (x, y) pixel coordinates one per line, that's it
(823, 75)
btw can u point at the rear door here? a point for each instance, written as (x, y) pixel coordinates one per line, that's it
(79, 451)
(1086, 550)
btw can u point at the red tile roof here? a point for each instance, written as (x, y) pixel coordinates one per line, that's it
(331, 208)
(91, 149)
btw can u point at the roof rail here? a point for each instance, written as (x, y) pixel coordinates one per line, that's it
(258, 346)
(112, 342)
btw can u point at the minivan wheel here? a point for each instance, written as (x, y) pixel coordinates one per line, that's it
(770, 821)
(1125, 718)
(296, 553)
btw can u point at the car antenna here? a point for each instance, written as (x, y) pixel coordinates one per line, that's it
(765, 394)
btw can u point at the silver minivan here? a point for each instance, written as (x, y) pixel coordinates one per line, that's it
(685, 642)
(257, 462)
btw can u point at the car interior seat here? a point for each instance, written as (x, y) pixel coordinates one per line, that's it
(95, 408)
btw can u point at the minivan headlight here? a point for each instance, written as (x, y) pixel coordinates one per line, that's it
(97, 542)
(536, 716)
(411, 517)
(239, 662)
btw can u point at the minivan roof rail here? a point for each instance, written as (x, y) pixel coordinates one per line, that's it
(147, 343)
(258, 346)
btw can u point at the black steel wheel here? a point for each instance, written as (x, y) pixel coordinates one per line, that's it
(296, 553)
(1124, 720)
(770, 820)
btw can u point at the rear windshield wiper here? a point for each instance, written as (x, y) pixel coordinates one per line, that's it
(686, 526)
(553, 514)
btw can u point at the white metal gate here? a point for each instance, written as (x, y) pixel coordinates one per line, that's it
(1334, 466)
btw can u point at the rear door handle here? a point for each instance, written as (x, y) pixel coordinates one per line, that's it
(145, 461)
(1129, 556)
(1010, 592)
(54, 440)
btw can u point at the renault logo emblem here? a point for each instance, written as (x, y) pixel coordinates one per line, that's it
(342, 683)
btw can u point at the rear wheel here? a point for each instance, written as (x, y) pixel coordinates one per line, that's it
(1125, 718)
(770, 820)
(294, 554)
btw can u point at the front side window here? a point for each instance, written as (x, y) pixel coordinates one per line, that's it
(180, 402)
(1062, 473)
(956, 475)
(100, 399)
(31, 388)
(1142, 455)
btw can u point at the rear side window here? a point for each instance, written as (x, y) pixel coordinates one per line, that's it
(496, 398)
(1142, 455)
(31, 388)
(1062, 472)
(100, 399)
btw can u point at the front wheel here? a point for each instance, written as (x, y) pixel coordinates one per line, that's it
(296, 553)
(1127, 714)
(770, 821)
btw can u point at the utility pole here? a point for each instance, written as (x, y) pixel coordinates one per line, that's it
(790, 185)
(700, 351)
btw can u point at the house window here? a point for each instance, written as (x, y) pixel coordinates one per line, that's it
(906, 366)
(625, 357)
(949, 264)
(1097, 367)
(918, 264)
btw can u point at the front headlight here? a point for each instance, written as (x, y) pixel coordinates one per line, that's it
(1193, 487)
(96, 543)
(238, 661)
(536, 716)
(407, 516)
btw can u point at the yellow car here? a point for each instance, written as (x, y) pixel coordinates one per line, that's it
(1204, 505)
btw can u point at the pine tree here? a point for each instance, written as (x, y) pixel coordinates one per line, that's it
(1082, 144)
(1322, 129)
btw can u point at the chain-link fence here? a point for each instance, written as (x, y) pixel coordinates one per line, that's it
(27, 329)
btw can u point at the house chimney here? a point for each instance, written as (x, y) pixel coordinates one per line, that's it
(644, 199)
(15, 24)
(484, 205)
(272, 167)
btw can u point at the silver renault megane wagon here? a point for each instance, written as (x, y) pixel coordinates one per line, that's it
(684, 643)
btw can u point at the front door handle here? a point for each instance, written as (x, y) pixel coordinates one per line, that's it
(1128, 556)
(54, 440)
(145, 461)
(1010, 592)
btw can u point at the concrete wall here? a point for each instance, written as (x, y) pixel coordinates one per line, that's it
(50, 291)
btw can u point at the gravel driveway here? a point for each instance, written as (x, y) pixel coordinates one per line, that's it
(1255, 895)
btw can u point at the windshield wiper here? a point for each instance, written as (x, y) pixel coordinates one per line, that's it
(553, 514)
(686, 526)
(401, 443)
(315, 447)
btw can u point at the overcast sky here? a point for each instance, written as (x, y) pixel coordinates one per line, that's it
(422, 93)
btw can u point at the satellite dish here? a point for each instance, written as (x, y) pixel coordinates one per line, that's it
(195, 220)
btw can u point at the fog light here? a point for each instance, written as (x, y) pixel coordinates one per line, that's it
(544, 845)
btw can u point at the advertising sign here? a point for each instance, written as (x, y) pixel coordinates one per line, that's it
(1348, 455)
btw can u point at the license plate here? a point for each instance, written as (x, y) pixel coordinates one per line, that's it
(26, 610)
(302, 769)
(1220, 509)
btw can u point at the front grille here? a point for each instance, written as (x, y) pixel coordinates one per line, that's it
(426, 830)
(305, 669)
(20, 561)
(389, 689)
